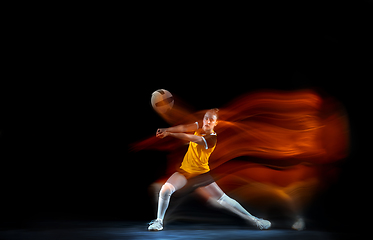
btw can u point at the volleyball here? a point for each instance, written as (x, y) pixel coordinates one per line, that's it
(162, 100)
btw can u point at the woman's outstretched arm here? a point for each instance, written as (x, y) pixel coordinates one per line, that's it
(179, 129)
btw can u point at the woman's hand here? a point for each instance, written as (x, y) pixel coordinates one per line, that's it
(162, 133)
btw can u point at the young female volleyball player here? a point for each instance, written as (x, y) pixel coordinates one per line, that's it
(195, 168)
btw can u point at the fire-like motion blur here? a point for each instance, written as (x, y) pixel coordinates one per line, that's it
(274, 148)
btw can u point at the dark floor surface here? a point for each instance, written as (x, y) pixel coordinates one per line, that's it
(111, 230)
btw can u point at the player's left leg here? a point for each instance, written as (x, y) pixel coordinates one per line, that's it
(174, 183)
(218, 198)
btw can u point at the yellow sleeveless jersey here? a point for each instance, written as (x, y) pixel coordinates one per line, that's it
(196, 160)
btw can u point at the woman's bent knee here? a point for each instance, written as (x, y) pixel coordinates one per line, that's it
(167, 190)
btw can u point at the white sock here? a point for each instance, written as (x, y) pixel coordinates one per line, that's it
(162, 207)
(164, 199)
(233, 206)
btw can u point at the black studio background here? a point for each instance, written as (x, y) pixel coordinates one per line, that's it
(66, 140)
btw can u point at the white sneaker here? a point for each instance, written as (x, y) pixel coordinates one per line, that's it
(261, 223)
(155, 225)
(299, 224)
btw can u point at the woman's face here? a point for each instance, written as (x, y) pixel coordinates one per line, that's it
(209, 122)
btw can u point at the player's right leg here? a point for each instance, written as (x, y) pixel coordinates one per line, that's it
(174, 183)
(216, 197)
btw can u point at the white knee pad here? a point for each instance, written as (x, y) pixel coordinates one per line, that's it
(167, 190)
(221, 202)
(233, 206)
(225, 200)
